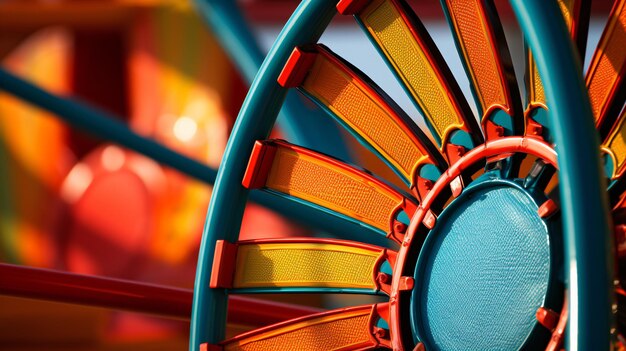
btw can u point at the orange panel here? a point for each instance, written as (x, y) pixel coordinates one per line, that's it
(571, 11)
(478, 43)
(343, 329)
(615, 145)
(419, 65)
(324, 181)
(320, 182)
(479, 35)
(607, 68)
(357, 104)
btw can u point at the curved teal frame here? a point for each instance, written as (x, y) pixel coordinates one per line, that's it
(255, 121)
(587, 239)
(301, 124)
(585, 213)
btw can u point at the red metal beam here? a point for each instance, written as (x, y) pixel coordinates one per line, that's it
(169, 302)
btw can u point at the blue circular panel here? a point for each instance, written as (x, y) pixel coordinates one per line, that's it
(483, 272)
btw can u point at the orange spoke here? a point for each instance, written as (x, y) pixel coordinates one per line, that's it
(316, 265)
(576, 15)
(480, 38)
(605, 78)
(365, 110)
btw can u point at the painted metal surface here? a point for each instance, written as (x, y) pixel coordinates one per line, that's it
(295, 171)
(480, 41)
(589, 258)
(254, 123)
(343, 329)
(169, 302)
(605, 76)
(363, 109)
(563, 87)
(586, 223)
(300, 123)
(298, 265)
(419, 66)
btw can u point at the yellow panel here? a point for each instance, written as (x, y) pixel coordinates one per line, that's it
(343, 330)
(350, 101)
(608, 61)
(536, 93)
(394, 36)
(304, 265)
(616, 144)
(331, 186)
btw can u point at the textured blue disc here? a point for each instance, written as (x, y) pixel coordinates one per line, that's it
(483, 272)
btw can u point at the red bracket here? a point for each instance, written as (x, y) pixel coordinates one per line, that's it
(423, 187)
(379, 336)
(420, 186)
(383, 280)
(534, 129)
(224, 262)
(492, 130)
(558, 334)
(454, 152)
(296, 69)
(547, 317)
(351, 7)
(211, 347)
(259, 166)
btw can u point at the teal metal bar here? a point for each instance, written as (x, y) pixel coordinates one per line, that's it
(301, 124)
(103, 125)
(110, 128)
(583, 195)
(254, 122)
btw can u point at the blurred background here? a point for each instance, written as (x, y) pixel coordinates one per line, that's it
(75, 203)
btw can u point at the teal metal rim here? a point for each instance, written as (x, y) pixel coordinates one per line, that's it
(587, 240)
(554, 291)
(585, 214)
(299, 123)
(254, 122)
